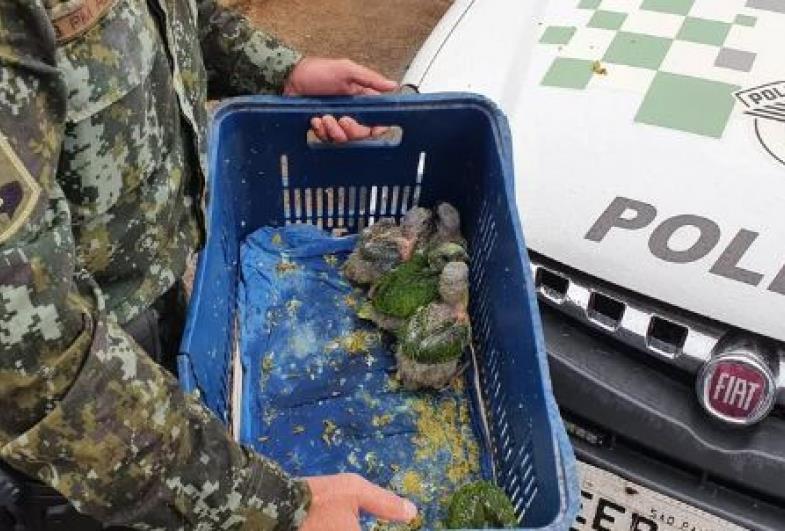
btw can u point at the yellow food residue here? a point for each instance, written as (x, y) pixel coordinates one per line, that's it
(393, 383)
(414, 525)
(277, 240)
(379, 421)
(412, 485)
(267, 364)
(285, 266)
(331, 260)
(369, 400)
(439, 429)
(357, 342)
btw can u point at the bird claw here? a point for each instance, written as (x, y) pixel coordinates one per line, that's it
(459, 372)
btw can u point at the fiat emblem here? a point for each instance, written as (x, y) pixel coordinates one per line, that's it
(737, 388)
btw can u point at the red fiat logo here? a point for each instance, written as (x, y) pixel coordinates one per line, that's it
(737, 390)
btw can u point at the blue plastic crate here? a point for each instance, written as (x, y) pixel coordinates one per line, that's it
(456, 148)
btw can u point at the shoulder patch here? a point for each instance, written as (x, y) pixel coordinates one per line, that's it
(73, 18)
(18, 191)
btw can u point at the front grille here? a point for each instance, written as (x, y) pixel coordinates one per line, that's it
(669, 334)
(589, 433)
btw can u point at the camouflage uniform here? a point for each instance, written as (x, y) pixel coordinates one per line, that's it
(101, 163)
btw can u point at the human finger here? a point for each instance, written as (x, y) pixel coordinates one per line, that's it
(334, 131)
(383, 503)
(354, 130)
(317, 126)
(370, 78)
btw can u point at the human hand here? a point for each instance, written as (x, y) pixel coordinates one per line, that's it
(328, 129)
(337, 500)
(314, 76)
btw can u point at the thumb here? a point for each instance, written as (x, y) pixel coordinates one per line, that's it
(371, 79)
(384, 504)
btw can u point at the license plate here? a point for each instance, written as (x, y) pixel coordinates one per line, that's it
(610, 503)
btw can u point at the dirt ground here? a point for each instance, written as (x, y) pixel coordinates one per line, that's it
(382, 34)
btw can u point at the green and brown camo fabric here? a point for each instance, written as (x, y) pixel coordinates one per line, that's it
(102, 142)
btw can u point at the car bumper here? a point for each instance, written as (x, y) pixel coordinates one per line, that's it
(641, 420)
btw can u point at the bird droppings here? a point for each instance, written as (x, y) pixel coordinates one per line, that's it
(270, 415)
(292, 306)
(371, 462)
(599, 69)
(330, 432)
(353, 461)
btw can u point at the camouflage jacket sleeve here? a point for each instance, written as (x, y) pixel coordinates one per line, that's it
(239, 58)
(83, 408)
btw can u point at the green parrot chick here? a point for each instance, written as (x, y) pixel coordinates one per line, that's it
(384, 245)
(404, 290)
(454, 289)
(378, 251)
(448, 227)
(446, 253)
(417, 227)
(433, 340)
(480, 505)
(385, 322)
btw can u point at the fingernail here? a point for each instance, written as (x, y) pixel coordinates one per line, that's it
(410, 510)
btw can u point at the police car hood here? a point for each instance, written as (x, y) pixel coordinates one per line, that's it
(621, 105)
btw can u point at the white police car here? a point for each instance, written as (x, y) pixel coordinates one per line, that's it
(649, 144)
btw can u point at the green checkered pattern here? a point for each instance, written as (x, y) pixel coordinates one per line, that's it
(675, 52)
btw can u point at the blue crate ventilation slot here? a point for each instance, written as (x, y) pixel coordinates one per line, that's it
(456, 148)
(348, 209)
